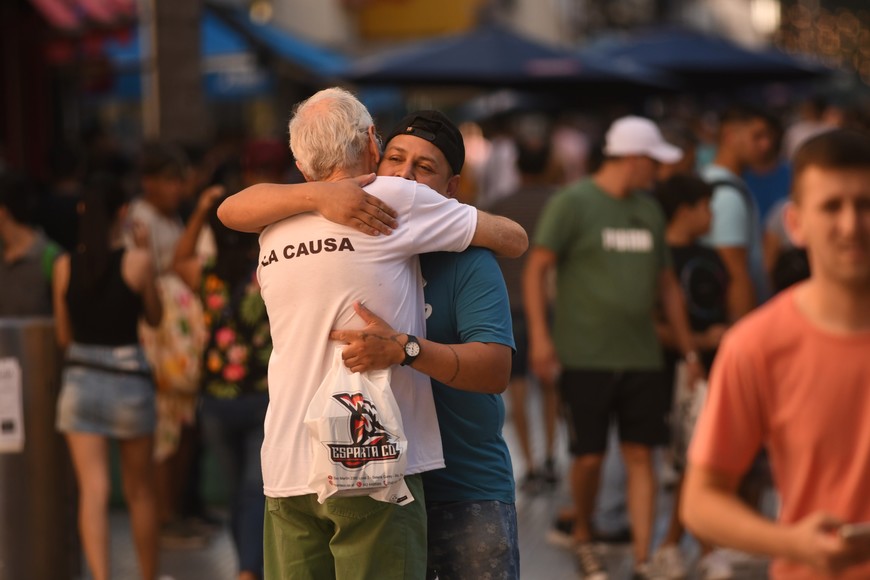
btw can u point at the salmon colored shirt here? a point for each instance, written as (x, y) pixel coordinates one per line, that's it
(804, 394)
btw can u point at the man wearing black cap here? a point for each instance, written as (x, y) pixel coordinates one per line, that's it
(467, 352)
(469, 303)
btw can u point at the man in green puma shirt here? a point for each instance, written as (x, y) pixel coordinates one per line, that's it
(606, 243)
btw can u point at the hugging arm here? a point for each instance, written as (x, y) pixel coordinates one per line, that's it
(503, 236)
(481, 367)
(343, 202)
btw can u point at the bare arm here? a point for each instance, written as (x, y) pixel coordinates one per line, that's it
(152, 306)
(343, 202)
(186, 263)
(59, 286)
(741, 293)
(139, 273)
(711, 508)
(503, 236)
(542, 352)
(474, 366)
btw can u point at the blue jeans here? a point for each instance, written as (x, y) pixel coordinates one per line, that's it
(233, 428)
(473, 539)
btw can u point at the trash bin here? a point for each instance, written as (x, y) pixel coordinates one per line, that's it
(38, 538)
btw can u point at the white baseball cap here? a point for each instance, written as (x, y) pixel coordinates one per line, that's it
(639, 136)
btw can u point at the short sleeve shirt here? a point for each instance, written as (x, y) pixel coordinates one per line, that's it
(609, 255)
(804, 394)
(736, 223)
(466, 301)
(26, 282)
(236, 356)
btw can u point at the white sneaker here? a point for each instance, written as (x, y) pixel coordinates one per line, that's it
(591, 566)
(716, 566)
(668, 562)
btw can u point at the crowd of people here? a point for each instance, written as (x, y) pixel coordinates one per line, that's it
(664, 290)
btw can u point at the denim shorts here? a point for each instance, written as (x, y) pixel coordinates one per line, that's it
(106, 390)
(472, 539)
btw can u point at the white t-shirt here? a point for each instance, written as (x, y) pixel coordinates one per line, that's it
(311, 272)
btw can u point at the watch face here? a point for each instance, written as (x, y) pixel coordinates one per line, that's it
(412, 348)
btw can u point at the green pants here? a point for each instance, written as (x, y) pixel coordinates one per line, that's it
(352, 538)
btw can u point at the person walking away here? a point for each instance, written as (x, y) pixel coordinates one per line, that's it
(107, 392)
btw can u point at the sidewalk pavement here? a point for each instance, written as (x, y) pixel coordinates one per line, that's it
(539, 559)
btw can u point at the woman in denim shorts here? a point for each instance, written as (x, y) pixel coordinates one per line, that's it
(99, 292)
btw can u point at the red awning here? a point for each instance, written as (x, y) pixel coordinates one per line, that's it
(72, 14)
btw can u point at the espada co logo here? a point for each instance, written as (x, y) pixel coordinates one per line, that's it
(370, 441)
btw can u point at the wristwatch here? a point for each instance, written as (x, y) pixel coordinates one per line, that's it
(412, 350)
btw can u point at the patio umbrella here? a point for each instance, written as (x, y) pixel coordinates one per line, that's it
(494, 56)
(704, 61)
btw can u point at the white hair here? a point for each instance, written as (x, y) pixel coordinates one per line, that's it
(329, 131)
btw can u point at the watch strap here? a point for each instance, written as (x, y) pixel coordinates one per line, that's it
(409, 357)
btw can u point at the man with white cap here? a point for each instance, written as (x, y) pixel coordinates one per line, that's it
(606, 243)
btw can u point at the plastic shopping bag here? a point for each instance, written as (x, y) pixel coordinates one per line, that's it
(357, 439)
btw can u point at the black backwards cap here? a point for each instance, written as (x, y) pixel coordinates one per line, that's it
(436, 128)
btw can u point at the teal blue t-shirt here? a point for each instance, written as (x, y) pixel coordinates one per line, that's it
(466, 301)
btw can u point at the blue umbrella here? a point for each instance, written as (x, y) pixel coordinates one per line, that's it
(702, 60)
(494, 56)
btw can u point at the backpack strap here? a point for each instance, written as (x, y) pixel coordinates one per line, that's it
(740, 187)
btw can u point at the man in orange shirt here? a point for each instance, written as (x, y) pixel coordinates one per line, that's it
(794, 376)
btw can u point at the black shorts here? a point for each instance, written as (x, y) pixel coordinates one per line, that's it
(639, 401)
(520, 365)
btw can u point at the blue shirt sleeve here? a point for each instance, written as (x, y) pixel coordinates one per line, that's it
(483, 311)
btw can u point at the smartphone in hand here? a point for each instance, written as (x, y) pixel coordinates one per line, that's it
(855, 532)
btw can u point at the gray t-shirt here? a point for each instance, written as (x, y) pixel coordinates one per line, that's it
(26, 287)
